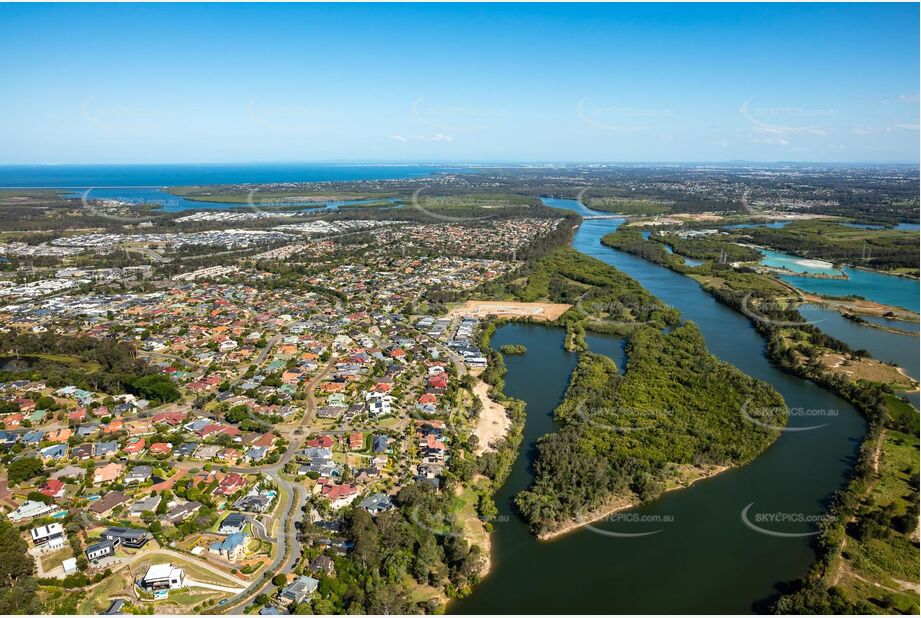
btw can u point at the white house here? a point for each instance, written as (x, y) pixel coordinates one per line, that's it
(163, 577)
(28, 510)
(49, 538)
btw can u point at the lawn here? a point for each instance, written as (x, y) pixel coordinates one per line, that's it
(55, 558)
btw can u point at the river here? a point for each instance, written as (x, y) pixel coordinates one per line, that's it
(700, 557)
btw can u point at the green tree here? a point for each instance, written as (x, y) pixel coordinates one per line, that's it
(23, 469)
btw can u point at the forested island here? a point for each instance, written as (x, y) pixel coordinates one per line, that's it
(670, 418)
(673, 416)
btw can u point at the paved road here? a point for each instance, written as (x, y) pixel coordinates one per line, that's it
(288, 550)
(116, 563)
(170, 357)
(197, 584)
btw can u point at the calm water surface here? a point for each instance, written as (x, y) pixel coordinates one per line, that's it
(885, 289)
(703, 559)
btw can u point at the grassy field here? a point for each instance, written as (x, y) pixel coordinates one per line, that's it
(55, 558)
(628, 206)
(883, 568)
(99, 598)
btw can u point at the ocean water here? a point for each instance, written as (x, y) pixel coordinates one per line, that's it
(145, 184)
(157, 176)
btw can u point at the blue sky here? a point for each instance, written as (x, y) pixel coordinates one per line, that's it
(228, 83)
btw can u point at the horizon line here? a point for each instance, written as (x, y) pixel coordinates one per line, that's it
(471, 162)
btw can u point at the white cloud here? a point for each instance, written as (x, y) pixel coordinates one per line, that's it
(438, 137)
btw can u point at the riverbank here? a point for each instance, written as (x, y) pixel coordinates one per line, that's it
(808, 275)
(493, 423)
(694, 566)
(860, 307)
(877, 538)
(618, 504)
(889, 273)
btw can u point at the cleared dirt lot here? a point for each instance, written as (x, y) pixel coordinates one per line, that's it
(493, 423)
(507, 309)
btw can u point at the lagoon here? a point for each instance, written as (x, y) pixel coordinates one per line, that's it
(886, 289)
(778, 259)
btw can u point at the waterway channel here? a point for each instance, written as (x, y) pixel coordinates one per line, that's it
(701, 557)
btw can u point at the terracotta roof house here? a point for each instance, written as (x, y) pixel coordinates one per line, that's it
(53, 488)
(160, 448)
(59, 435)
(107, 473)
(321, 442)
(230, 484)
(135, 446)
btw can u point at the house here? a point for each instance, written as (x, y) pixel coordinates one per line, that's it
(33, 437)
(258, 503)
(298, 590)
(315, 453)
(69, 472)
(28, 510)
(163, 577)
(321, 442)
(339, 495)
(13, 421)
(377, 503)
(53, 488)
(380, 444)
(187, 449)
(150, 503)
(160, 448)
(339, 545)
(266, 441)
(48, 538)
(232, 524)
(356, 440)
(106, 449)
(135, 446)
(108, 502)
(230, 484)
(256, 453)
(107, 473)
(232, 548)
(139, 474)
(132, 538)
(59, 435)
(379, 407)
(183, 511)
(8, 438)
(115, 609)
(169, 418)
(56, 451)
(100, 550)
(82, 452)
(77, 416)
(209, 451)
(322, 564)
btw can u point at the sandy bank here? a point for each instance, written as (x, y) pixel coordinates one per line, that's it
(622, 504)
